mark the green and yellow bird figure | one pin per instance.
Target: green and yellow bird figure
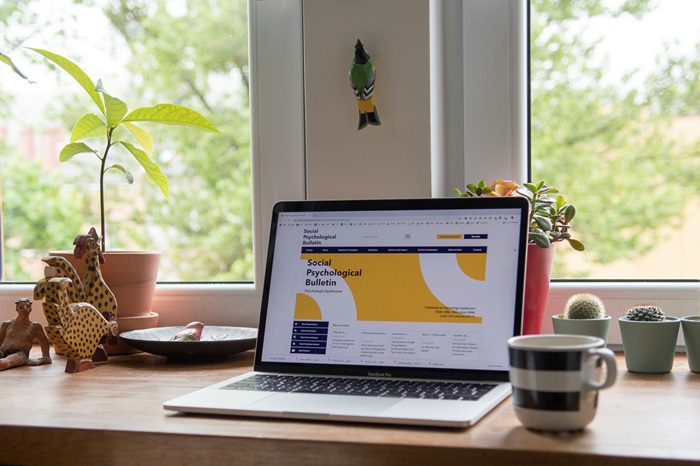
(362, 77)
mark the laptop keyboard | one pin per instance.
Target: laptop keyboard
(363, 387)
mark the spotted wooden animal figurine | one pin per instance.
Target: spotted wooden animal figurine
(75, 329)
(63, 268)
(92, 289)
(97, 292)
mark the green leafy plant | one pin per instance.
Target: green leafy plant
(550, 214)
(645, 313)
(114, 114)
(584, 306)
(8, 61)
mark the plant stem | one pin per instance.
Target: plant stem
(102, 188)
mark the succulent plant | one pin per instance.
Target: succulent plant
(645, 313)
(584, 306)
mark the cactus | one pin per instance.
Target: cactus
(584, 306)
(645, 313)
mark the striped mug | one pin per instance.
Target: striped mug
(556, 379)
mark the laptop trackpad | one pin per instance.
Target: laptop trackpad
(323, 404)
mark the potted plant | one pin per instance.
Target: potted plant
(584, 314)
(649, 339)
(131, 275)
(549, 223)
(691, 335)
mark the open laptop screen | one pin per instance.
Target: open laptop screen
(430, 284)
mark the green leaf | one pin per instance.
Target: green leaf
(576, 244)
(8, 61)
(72, 149)
(115, 110)
(77, 73)
(171, 114)
(544, 223)
(525, 193)
(153, 171)
(531, 187)
(144, 138)
(539, 238)
(127, 173)
(560, 202)
(569, 214)
(88, 125)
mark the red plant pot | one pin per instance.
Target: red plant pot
(537, 272)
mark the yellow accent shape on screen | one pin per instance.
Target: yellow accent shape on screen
(449, 236)
(306, 308)
(473, 265)
(391, 288)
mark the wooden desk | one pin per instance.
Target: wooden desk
(113, 415)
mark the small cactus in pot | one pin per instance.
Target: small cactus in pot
(584, 314)
(645, 313)
(649, 339)
(584, 306)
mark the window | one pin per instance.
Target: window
(480, 112)
(144, 52)
(616, 126)
(481, 135)
(277, 166)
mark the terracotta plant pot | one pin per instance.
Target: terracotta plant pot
(131, 275)
(538, 269)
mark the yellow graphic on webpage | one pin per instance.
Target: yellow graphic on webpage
(391, 286)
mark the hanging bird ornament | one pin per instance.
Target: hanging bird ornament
(362, 77)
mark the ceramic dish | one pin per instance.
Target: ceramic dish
(216, 342)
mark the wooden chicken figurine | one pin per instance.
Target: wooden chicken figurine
(92, 288)
(96, 290)
(75, 329)
(63, 268)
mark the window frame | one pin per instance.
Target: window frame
(461, 153)
(275, 34)
(277, 146)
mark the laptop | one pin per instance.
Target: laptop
(387, 311)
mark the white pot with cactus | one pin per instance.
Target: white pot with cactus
(584, 314)
(649, 339)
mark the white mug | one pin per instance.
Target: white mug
(556, 379)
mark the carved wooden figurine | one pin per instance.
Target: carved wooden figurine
(96, 290)
(92, 288)
(17, 336)
(75, 329)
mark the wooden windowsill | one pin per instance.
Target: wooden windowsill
(113, 415)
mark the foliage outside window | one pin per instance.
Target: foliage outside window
(192, 53)
(624, 143)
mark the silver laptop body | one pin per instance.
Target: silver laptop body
(391, 307)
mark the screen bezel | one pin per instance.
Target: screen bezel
(398, 205)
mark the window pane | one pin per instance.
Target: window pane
(615, 117)
(191, 53)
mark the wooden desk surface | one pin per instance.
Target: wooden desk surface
(113, 415)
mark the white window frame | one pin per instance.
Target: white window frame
(277, 151)
(479, 130)
(487, 136)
